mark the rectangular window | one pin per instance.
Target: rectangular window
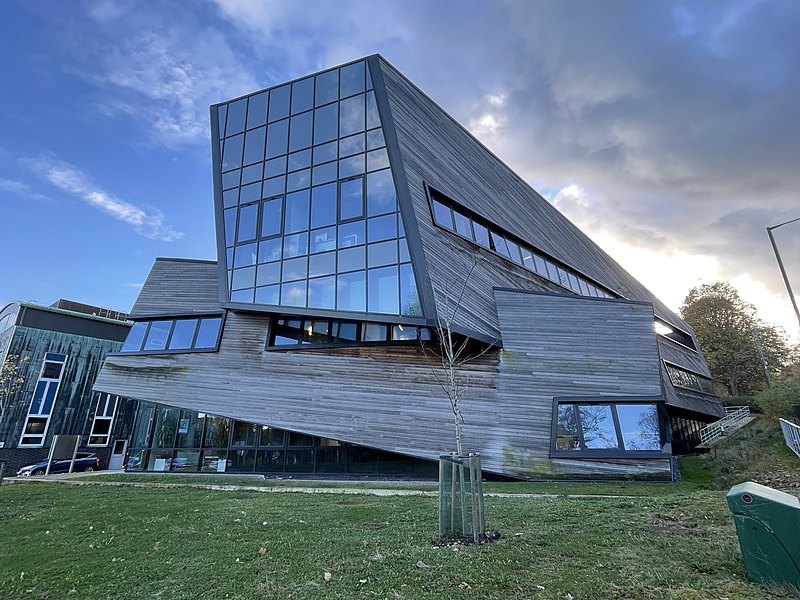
(103, 420)
(44, 396)
(606, 428)
(176, 335)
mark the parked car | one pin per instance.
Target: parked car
(84, 461)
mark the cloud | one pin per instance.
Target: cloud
(72, 180)
(20, 188)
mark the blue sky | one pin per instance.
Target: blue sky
(666, 130)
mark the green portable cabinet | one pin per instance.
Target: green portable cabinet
(768, 525)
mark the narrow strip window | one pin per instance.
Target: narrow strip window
(103, 419)
(44, 396)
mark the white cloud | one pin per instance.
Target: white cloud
(72, 180)
(20, 188)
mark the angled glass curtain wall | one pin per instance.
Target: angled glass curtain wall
(310, 209)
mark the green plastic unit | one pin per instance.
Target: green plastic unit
(768, 525)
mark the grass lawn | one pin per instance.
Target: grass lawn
(64, 541)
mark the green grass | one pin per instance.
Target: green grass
(63, 541)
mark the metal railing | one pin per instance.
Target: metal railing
(733, 416)
(791, 433)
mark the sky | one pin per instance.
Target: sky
(667, 131)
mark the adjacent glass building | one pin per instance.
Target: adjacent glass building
(355, 217)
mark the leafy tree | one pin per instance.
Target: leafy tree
(733, 338)
(11, 381)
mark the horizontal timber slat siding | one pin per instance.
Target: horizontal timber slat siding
(381, 397)
(438, 151)
(568, 346)
(178, 286)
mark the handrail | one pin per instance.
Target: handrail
(733, 416)
(791, 433)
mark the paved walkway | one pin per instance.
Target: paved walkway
(394, 488)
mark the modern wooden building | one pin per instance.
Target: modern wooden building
(58, 350)
(353, 214)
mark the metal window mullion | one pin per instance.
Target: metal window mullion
(618, 428)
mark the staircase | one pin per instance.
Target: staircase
(735, 418)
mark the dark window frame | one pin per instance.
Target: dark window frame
(611, 453)
(173, 318)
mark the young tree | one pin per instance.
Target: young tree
(11, 381)
(741, 350)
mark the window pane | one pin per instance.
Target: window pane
(325, 153)
(567, 437)
(373, 118)
(381, 228)
(377, 159)
(190, 429)
(254, 146)
(404, 333)
(323, 205)
(351, 115)
(409, 298)
(323, 173)
(297, 205)
(251, 192)
(271, 436)
(442, 215)
(325, 123)
(381, 197)
(274, 187)
(230, 179)
(270, 250)
(351, 291)
(268, 295)
(232, 153)
(373, 332)
(236, 114)
(133, 343)
(295, 245)
(322, 292)
(300, 160)
(257, 110)
(352, 79)
(157, 336)
(499, 243)
(322, 264)
(243, 278)
(298, 180)
(302, 95)
(344, 332)
(244, 434)
(541, 265)
(351, 145)
(293, 294)
(323, 240)
(277, 138)
(182, 334)
(300, 132)
(208, 332)
(217, 429)
(513, 250)
(375, 139)
(481, 234)
(598, 426)
(327, 88)
(247, 223)
(349, 167)
(268, 274)
(351, 204)
(563, 278)
(639, 426)
(166, 425)
(296, 268)
(384, 253)
(383, 291)
(351, 259)
(245, 255)
(552, 272)
(275, 166)
(243, 295)
(253, 173)
(279, 103)
(462, 224)
(271, 217)
(352, 234)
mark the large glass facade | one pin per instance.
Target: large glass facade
(310, 210)
(616, 427)
(170, 439)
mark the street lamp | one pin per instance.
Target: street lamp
(780, 264)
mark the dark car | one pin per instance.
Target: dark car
(84, 461)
